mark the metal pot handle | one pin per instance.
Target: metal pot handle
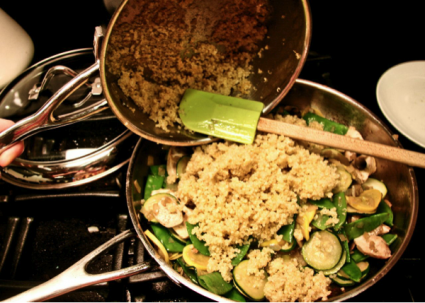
(76, 276)
(44, 118)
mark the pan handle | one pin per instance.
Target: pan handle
(44, 118)
(76, 276)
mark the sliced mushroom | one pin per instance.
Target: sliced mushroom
(181, 229)
(352, 133)
(362, 168)
(373, 245)
(167, 212)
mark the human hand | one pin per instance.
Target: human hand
(13, 152)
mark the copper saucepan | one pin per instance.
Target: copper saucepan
(287, 44)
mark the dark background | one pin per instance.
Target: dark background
(357, 42)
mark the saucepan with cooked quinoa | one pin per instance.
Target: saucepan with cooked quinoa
(154, 50)
(277, 220)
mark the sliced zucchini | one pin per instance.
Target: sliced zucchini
(323, 251)
(245, 283)
(364, 268)
(375, 184)
(149, 205)
(352, 210)
(175, 153)
(342, 282)
(345, 180)
(337, 267)
(368, 201)
(192, 257)
(181, 165)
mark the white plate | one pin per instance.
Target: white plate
(401, 97)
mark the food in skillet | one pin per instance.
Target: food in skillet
(174, 45)
(278, 220)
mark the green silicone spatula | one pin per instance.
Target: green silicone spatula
(238, 120)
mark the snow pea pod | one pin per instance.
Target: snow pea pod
(328, 125)
(164, 236)
(341, 209)
(322, 203)
(189, 271)
(352, 271)
(215, 283)
(243, 250)
(385, 208)
(198, 244)
(153, 183)
(359, 227)
(287, 231)
(235, 295)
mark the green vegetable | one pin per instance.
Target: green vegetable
(198, 244)
(330, 249)
(352, 271)
(164, 236)
(153, 183)
(287, 231)
(337, 267)
(215, 283)
(341, 208)
(158, 170)
(320, 222)
(243, 282)
(389, 238)
(181, 165)
(235, 295)
(328, 125)
(189, 271)
(358, 256)
(359, 227)
(322, 203)
(243, 250)
(343, 282)
(383, 207)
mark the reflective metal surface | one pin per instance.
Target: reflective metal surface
(71, 155)
(400, 179)
(288, 40)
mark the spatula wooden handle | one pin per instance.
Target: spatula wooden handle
(342, 142)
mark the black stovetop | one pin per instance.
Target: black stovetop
(353, 44)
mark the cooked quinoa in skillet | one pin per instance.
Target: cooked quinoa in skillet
(245, 192)
(174, 45)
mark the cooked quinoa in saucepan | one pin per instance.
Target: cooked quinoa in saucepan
(248, 192)
(174, 45)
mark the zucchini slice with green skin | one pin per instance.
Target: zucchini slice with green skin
(342, 282)
(375, 184)
(345, 180)
(181, 165)
(147, 208)
(364, 268)
(323, 251)
(337, 267)
(244, 282)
